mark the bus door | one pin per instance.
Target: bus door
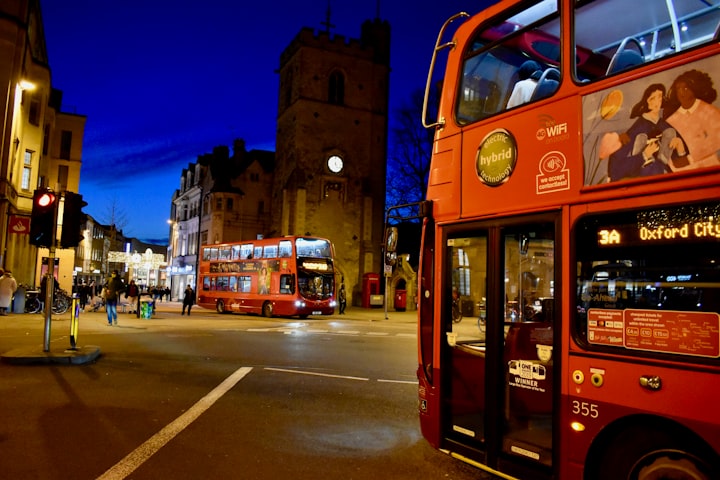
(498, 346)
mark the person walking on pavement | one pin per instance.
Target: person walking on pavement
(342, 297)
(113, 288)
(188, 300)
(8, 286)
(132, 293)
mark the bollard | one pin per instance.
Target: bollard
(74, 317)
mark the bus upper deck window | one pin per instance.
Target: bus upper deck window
(611, 37)
(505, 61)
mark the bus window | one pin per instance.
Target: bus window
(270, 251)
(206, 283)
(287, 283)
(468, 284)
(246, 250)
(224, 253)
(235, 252)
(657, 29)
(505, 63)
(630, 274)
(258, 253)
(285, 248)
(529, 280)
(233, 284)
(244, 284)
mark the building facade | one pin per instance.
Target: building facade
(40, 145)
(223, 197)
(331, 145)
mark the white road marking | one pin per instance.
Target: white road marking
(302, 372)
(138, 456)
(398, 381)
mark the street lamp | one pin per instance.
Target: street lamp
(26, 85)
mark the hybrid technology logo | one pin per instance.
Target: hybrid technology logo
(496, 157)
(550, 130)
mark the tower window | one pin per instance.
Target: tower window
(336, 89)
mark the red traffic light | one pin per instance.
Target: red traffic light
(45, 199)
(43, 221)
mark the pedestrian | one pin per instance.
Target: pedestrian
(132, 293)
(83, 295)
(8, 286)
(188, 299)
(342, 298)
(113, 288)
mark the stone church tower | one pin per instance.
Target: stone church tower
(331, 145)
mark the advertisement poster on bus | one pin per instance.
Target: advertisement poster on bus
(660, 124)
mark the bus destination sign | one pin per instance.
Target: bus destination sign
(625, 235)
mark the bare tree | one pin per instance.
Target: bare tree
(409, 159)
(114, 215)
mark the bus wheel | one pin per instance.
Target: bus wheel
(647, 454)
(220, 306)
(267, 310)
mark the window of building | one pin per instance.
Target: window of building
(62, 178)
(218, 204)
(229, 204)
(27, 170)
(46, 139)
(336, 89)
(34, 114)
(65, 144)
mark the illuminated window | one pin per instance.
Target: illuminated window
(27, 170)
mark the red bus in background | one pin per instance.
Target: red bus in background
(573, 207)
(288, 276)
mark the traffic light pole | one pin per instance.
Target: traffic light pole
(50, 283)
(49, 288)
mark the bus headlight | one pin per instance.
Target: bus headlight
(299, 304)
(333, 303)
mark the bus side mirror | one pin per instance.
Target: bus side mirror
(391, 238)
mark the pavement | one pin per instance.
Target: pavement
(35, 354)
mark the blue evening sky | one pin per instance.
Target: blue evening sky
(163, 81)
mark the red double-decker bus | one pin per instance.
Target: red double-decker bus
(287, 276)
(569, 280)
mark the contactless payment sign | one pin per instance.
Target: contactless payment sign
(496, 157)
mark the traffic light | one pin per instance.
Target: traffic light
(42, 222)
(73, 220)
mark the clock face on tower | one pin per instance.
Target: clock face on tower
(335, 164)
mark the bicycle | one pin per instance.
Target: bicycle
(61, 302)
(33, 304)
